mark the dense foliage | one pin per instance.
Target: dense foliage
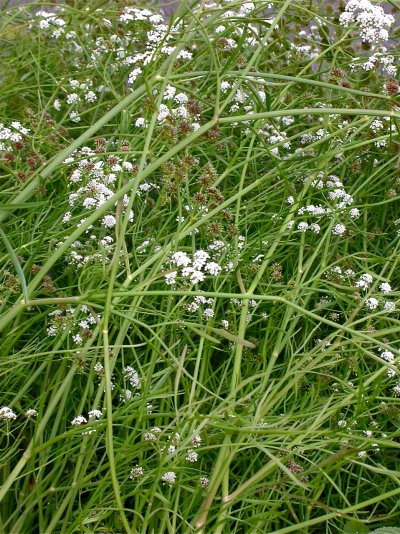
(199, 283)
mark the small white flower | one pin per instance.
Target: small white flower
(67, 217)
(204, 482)
(77, 339)
(74, 116)
(80, 420)
(338, 229)
(7, 414)
(213, 268)
(196, 441)
(315, 228)
(354, 213)
(170, 278)
(95, 414)
(192, 456)
(136, 472)
(302, 226)
(194, 275)
(385, 287)
(169, 92)
(192, 307)
(98, 368)
(372, 303)
(200, 257)
(71, 98)
(181, 259)
(181, 98)
(149, 436)
(169, 478)
(140, 122)
(90, 96)
(225, 86)
(126, 395)
(109, 221)
(176, 437)
(163, 113)
(387, 355)
(389, 306)
(132, 376)
(31, 413)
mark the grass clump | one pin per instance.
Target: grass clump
(199, 279)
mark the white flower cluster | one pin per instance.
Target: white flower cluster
(275, 136)
(6, 414)
(169, 478)
(371, 19)
(124, 50)
(372, 303)
(204, 303)
(77, 323)
(363, 283)
(9, 136)
(192, 457)
(80, 420)
(338, 203)
(389, 357)
(136, 473)
(204, 482)
(245, 102)
(303, 52)
(196, 441)
(132, 377)
(79, 95)
(94, 181)
(153, 435)
(380, 59)
(176, 105)
(49, 21)
(377, 125)
(194, 269)
(157, 39)
(170, 452)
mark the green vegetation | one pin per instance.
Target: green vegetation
(199, 282)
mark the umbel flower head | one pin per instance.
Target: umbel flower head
(373, 22)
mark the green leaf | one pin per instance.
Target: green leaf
(17, 265)
(231, 337)
(386, 530)
(354, 527)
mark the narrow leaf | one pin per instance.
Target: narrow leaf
(17, 265)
